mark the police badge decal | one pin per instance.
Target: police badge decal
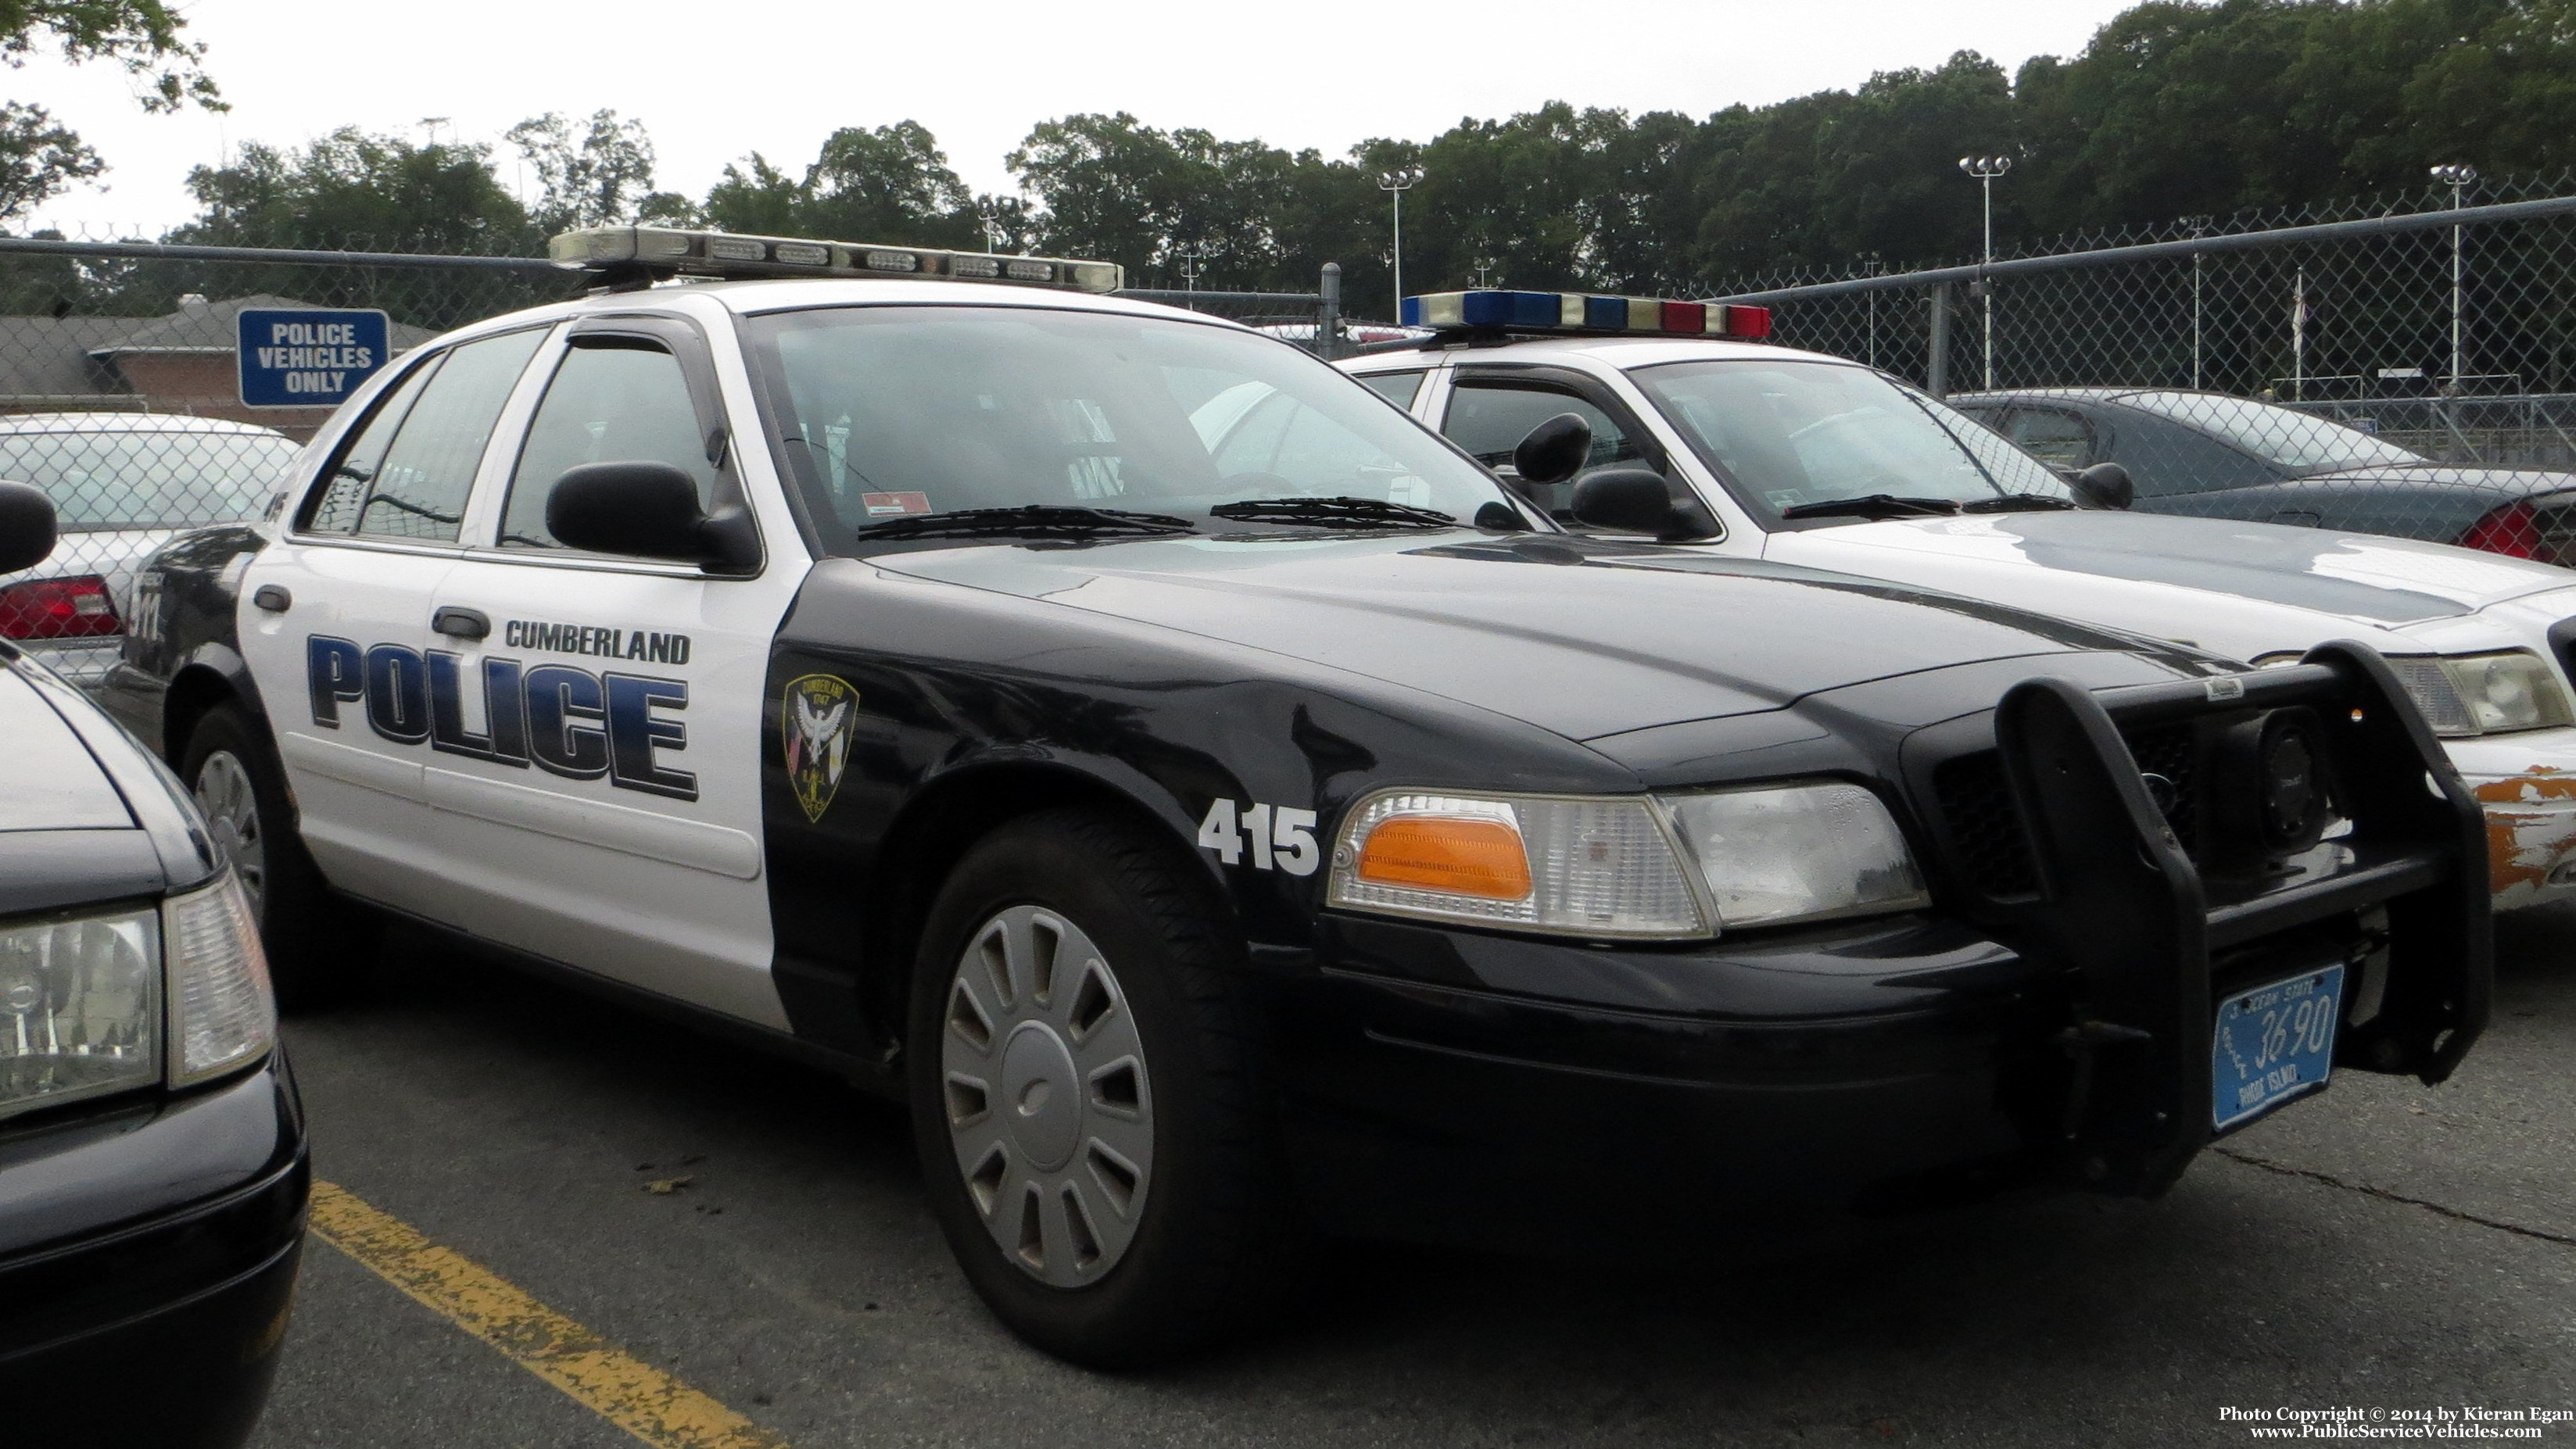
(815, 725)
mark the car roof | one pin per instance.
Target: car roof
(786, 294)
(1619, 352)
(107, 422)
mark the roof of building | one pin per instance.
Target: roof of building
(51, 356)
(203, 326)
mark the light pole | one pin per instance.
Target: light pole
(2458, 178)
(1484, 273)
(1192, 255)
(1395, 183)
(1986, 169)
(2199, 228)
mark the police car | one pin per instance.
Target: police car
(1801, 458)
(1228, 817)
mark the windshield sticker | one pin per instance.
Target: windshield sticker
(894, 505)
(815, 726)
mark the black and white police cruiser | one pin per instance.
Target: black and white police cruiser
(1231, 819)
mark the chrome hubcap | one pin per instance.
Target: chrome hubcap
(1046, 1097)
(232, 812)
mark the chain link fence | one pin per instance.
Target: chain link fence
(120, 395)
(2387, 364)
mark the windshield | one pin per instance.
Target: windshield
(2292, 440)
(1786, 433)
(911, 410)
(105, 481)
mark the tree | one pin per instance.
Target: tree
(601, 176)
(39, 159)
(890, 184)
(352, 190)
(140, 36)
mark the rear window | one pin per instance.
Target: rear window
(105, 481)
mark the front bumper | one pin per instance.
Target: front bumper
(2526, 783)
(147, 1266)
(1458, 1086)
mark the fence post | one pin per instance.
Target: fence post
(1328, 313)
(1936, 370)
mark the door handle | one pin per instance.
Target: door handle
(459, 623)
(272, 597)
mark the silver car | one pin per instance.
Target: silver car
(122, 484)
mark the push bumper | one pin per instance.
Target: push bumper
(147, 1266)
(1461, 1087)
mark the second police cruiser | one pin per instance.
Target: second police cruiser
(1228, 817)
(1802, 458)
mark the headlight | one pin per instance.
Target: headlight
(1625, 867)
(80, 1008)
(2481, 694)
(221, 1011)
(84, 999)
(1799, 853)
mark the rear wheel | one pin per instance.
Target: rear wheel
(319, 944)
(1086, 1098)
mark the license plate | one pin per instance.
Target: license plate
(2272, 1044)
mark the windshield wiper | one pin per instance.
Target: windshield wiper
(1348, 512)
(1875, 505)
(2018, 503)
(1052, 520)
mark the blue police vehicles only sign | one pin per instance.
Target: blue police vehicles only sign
(309, 357)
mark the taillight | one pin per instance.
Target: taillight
(57, 609)
(2512, 530)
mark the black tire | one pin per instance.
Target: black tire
(1216, 1239)
(320, 944)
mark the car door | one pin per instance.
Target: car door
(335, 615)
(596, 741)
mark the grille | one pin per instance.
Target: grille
(1994, 850)
(1994, 853)
(2168, 750)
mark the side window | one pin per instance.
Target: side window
(336, 511)
(1489, 419)
(2061, 440)
(1399, 388)
(2165, 458)
(409, 469)
(613, 400)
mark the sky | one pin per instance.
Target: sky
(1323, 74)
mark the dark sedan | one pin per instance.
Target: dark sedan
(2216, 456)
(153, 1172)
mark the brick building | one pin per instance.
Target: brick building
(180, 363)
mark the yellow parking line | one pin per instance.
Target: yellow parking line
(624, 1390)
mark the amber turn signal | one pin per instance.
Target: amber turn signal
(1462, 856)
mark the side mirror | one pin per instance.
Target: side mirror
(1635, 499)
(2105, 485)
(647, 510)
(1554, 450)
(26, 526)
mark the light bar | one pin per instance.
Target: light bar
(1500, 311)
(667, 251)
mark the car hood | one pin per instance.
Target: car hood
(1584, 638)
(2225, 585)
(49, 780)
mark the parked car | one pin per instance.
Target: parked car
(122, 484)
(153, 1173)
(1213, 842)
(2215, 456)
(1748, 450)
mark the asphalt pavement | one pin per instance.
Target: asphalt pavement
(2386, 1247)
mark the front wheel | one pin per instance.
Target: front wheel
(1086, 1096)
(318, 943)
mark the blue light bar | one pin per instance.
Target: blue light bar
(1495, 310)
